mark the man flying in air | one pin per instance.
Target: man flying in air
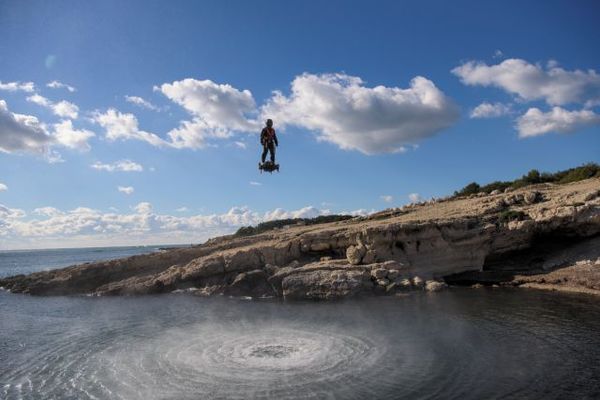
(268, 139)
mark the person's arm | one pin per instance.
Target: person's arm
(262, 137)
(275, 138)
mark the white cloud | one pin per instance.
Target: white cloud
(414, 197)
(218, 110)
(535, 122)
(66, 135)
(138, 101)
(387, 198)
(126, 189)
(28, 87)
(63, 108)
(306, 212)
(553, 84)
(121, 165)
(489, 110)
(48, 211)
(354, 117)
(254, 183)
(60, 85)
(84, 226)
(220, 107)
(120, 126)
(3, 187)
(182, 209)
(241, 145)
(22, 133)
(498, 53)
(143, 208)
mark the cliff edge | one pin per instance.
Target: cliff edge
(544, 236)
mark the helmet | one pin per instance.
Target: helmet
(269, 122)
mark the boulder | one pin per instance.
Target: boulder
(418, 282)
(383, 282)
(435, 286)
(532, 197)
(355, 254)
(326, 284)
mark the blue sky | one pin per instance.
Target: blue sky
(375, 101)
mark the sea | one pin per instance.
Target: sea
(492, 343)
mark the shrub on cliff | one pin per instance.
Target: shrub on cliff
(269, 225)
(471, 188)
(533, 177)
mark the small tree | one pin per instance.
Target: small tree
(532, 177)
(471, 188)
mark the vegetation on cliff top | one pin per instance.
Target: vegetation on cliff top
(269, 225)
(533, 177)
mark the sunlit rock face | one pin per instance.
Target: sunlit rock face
(421, 243)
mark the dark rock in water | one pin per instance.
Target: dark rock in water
(252, 283)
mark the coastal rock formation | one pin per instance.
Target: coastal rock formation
(498, 238)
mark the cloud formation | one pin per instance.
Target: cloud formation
(529, 82)
(124, 126)
(343, 111)
(22, 133)
(27, 87)
(126, 189)
(60, 85)
(63, 108)
(217, 110)
(387, 198)
(415, 197)
(489, 110)
(536, 122)
(66, 135)
(121, 165)
(49, 226)
(140, 102)
(3, 187)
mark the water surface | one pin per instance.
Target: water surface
(461, 344)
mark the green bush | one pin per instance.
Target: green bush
(471, 188)
(533, 177)
(270, 225)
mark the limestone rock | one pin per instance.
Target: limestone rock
(370, 257)
(532, 197)
(435, 286)
(379, 273)
(324, 284)
(418, 282)
(355, 254)
(383, 282)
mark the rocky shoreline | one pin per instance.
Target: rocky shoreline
(544, 236)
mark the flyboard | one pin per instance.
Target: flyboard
(268, 166)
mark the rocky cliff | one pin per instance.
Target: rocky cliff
(513, 238)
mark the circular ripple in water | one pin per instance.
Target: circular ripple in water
(230, 363)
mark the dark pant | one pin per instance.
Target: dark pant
(268, 147)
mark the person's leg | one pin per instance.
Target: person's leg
(272, 149)
(264, 153)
